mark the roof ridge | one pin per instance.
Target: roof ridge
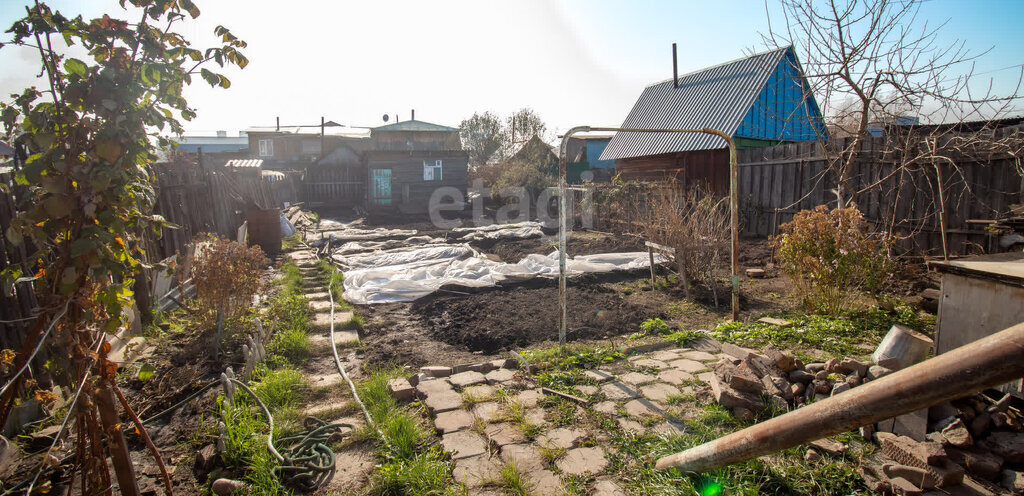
(723, 64)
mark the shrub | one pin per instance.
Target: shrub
(691, 220)
(226, 275)
(832, 254)
(655, 326)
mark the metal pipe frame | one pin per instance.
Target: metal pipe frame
(562, 212)
(985, 363)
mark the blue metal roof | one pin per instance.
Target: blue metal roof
(722, 97)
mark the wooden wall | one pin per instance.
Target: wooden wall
(409, 192)
(710, 167)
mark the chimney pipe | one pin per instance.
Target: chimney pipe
(413, 115)
(278, 123)
(675, 68)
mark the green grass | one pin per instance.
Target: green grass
(289, 308)
(838, 336)
(279, 388)
(335, 280)
(784, 472)
(511, 480)
(408, 465)
(291, 242)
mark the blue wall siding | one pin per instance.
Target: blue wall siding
(594, 150)
(783, 111)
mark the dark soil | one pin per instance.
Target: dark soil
(514, 317)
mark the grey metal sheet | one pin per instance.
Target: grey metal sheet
(717, 97)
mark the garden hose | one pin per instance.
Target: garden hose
(307, 462)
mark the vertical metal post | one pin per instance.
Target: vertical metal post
(734, 221)
(562, 228)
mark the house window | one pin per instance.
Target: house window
(266, 148)
(431, 170)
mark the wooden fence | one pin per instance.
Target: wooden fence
(195, 199)
(777, 182)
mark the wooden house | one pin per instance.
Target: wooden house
(407, 161)
(761, 100)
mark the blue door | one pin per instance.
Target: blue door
(381, 192)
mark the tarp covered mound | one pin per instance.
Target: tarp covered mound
(519, 230)
(409, 274)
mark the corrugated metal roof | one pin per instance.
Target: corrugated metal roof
(416, 126)
(717, 97)
(340, 131)
(244, 163)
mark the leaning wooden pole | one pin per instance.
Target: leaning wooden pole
(990, 361)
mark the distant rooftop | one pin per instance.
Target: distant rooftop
(414, 125)
(335, 130)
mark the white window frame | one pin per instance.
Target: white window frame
(266, 147)
(433, 171)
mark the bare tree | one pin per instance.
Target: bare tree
(877, 69)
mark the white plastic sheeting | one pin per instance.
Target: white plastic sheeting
(363, 246)
(520, 230)
(419, 272)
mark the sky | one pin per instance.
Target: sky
(575, 62)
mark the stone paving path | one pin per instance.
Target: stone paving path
(492, 415)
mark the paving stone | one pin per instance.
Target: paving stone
(561, 438)
(581, 461)
(464, 444)
(528, 398)
(666, 355)
(400, 388)
(735, 351)
(630, 426)
(606, 407)
(599, 375)
(323, 320)
(468, 378)
(454, 420)
(642, 408)
(636, 378)
(649, 362)
(436, 371)
(480, 392)
(499, 376)
(659, 392)
(427, 387)
(526, 457)
(588, 390)
(536, 416)
(674, 376)
(320, 306)
(618, 391)
(705, 377)
(504, 433)
(700, 356)
(488, 411)
(474, 471)
(606, 488)
(669, 428)
(687, 365)
(318, 296)
(443, 401)
(546, 483)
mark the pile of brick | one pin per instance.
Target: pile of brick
(969, 446)
(748, 382)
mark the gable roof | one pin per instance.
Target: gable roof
(722, 97)
(414, 125)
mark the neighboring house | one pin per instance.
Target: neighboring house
(535, 152)
(584, 152)
(214, 150)
(295, 147)
(761, 100)
(408, 161)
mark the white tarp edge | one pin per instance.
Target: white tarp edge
(413, 280)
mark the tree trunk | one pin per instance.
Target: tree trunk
(116, 445)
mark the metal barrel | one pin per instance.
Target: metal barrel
(985, 363)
